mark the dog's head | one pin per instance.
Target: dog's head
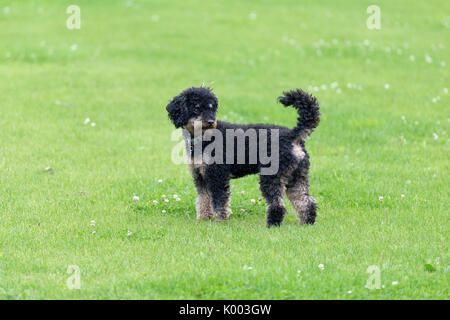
(194, 104)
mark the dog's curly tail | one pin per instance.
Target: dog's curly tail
(308, 111)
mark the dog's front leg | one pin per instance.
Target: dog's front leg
(203, 203)
(220, 202)
(219, 188)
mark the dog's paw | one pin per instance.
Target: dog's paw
(203, 217)
(270, 224)
(309, 212)
(222, 216)
(204, 214)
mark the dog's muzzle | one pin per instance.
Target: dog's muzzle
(209, 124)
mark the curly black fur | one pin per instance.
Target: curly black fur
(183, 107)
(212, 180)
(307, 107)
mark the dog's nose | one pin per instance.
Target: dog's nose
(210, 122)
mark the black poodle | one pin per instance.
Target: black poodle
(240, 150)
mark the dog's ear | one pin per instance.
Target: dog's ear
(177, 110)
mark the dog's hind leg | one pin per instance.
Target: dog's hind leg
(272, 190)
(297, 190)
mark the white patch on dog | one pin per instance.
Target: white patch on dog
(297, 151)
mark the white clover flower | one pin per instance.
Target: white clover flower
(252, 201)
(94, 232)
(321, 266)
(428, 59)
(155, 202)
(334, 85)
(252, 16)
(349, 291)
(164, 211)
(435, 136)
(394, 283)
(166, 200)
(93, 124)
(445, 91)
(92, 223)
(177, 199)
(381, 199)
(129, 233)
(247, 267)
(434, 100)
(163, 196)
(442, 63)
(175, 196)
(412, 58)
(338, 90)
(74, 47)
(386, 86)
(402, 196)
(242, 210)
(160, 180)
(87, 120)
(135, 198)
(242, 193)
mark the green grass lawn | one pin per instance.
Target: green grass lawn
(384, 132)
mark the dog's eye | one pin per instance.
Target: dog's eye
(197, 106)
(210, 106)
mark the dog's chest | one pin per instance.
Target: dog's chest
(197, 169)
(197, 165)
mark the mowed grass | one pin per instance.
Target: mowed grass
(381, 134)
